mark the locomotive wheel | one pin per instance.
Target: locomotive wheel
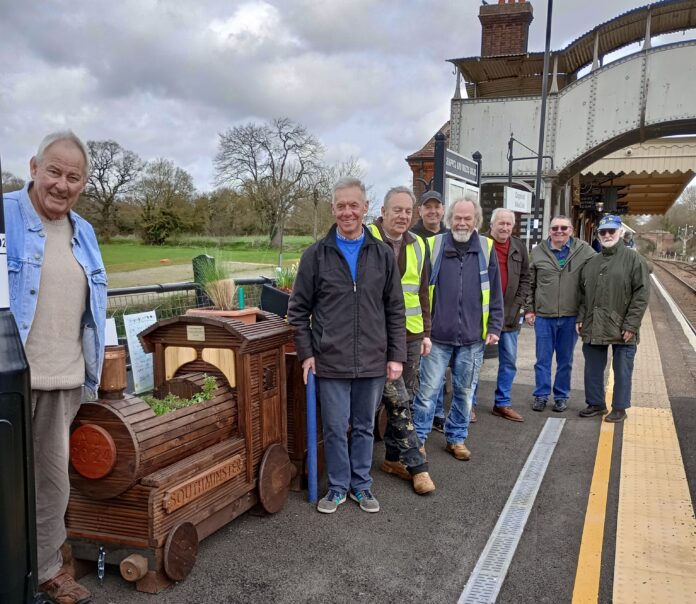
(275, 474)
(180, 551)
(381, 419)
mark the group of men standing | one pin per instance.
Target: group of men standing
(381, 312)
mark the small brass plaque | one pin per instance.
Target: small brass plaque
(196, 333)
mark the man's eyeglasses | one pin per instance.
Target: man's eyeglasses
(607, 231)
(562, 227)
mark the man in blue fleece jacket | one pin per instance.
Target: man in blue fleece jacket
(467, 314)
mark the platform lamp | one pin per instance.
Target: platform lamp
(18, 574)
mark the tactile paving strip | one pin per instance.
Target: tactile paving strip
(656, 530)
(649, 389)
(492, 566)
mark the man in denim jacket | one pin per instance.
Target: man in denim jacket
(58, 299)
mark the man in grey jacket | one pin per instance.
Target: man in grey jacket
(552, 306)
(347, 308)
(614, 292)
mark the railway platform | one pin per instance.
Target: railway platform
(555, 509)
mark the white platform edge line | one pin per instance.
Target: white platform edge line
(548, 438)
(677, 313)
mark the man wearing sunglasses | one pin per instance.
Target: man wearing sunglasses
(552, 307)
(614, 291)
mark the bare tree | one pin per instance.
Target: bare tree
(112, 175)
(165, 195)
(10, 182)
(274, 165)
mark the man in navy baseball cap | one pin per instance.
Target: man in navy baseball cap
(609, 222)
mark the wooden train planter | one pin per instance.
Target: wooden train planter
(147, 488)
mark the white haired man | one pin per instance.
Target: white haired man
(467, 314)
(347, 308)
(614, 294)
(58, 299)
(515, 279)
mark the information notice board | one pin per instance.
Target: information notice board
(141, 362)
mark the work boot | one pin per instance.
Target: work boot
(592, 410)
(459, 451)
(616, 415)
(396, 468)
(65, 590)
(422, 483)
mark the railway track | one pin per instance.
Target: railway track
(679, 279)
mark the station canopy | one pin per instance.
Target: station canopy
(521, 74)
(649, 177)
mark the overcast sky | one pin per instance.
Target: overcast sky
(163, 78)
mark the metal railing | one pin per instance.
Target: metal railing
(173, 299)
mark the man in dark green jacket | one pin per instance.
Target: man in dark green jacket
(614, 292)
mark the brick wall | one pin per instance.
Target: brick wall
(505, 27)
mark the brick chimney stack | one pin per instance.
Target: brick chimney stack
(505, 27)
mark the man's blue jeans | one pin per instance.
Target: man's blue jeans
(465, 374)
(349, 402)
(507, 369)
(554, 335)
(623, 356)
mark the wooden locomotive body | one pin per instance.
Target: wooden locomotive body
(147, 488)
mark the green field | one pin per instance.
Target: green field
(125, 255)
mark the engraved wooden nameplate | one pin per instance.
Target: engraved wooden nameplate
(195, 487)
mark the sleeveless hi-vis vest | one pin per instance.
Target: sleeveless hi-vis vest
(410, 282)
(484, 256)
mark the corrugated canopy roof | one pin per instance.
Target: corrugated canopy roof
(665, 17)
(650, 176)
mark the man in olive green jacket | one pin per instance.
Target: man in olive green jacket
(614, 292)
(552, 306)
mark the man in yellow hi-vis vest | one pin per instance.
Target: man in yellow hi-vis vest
(403, 456)
(467, 314)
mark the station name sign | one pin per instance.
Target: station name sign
(518, 201)
(460, 167)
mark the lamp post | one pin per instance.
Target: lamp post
(542, 115)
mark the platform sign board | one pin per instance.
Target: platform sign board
(518, 201)
(460, 167)
(456, 189)
(141, 362)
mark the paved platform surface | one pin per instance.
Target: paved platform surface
(423, 549)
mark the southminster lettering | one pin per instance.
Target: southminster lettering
(204, 482)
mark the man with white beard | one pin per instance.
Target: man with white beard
(467, 314)
(614, 293)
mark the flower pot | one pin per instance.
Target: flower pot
(246, 315)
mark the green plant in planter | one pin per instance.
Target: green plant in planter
(172, 402)
(218, 284)
(285, 276)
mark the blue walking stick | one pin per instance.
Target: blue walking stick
(311, 437)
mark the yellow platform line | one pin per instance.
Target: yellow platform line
(586, 588)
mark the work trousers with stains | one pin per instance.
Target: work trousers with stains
(400, 438)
